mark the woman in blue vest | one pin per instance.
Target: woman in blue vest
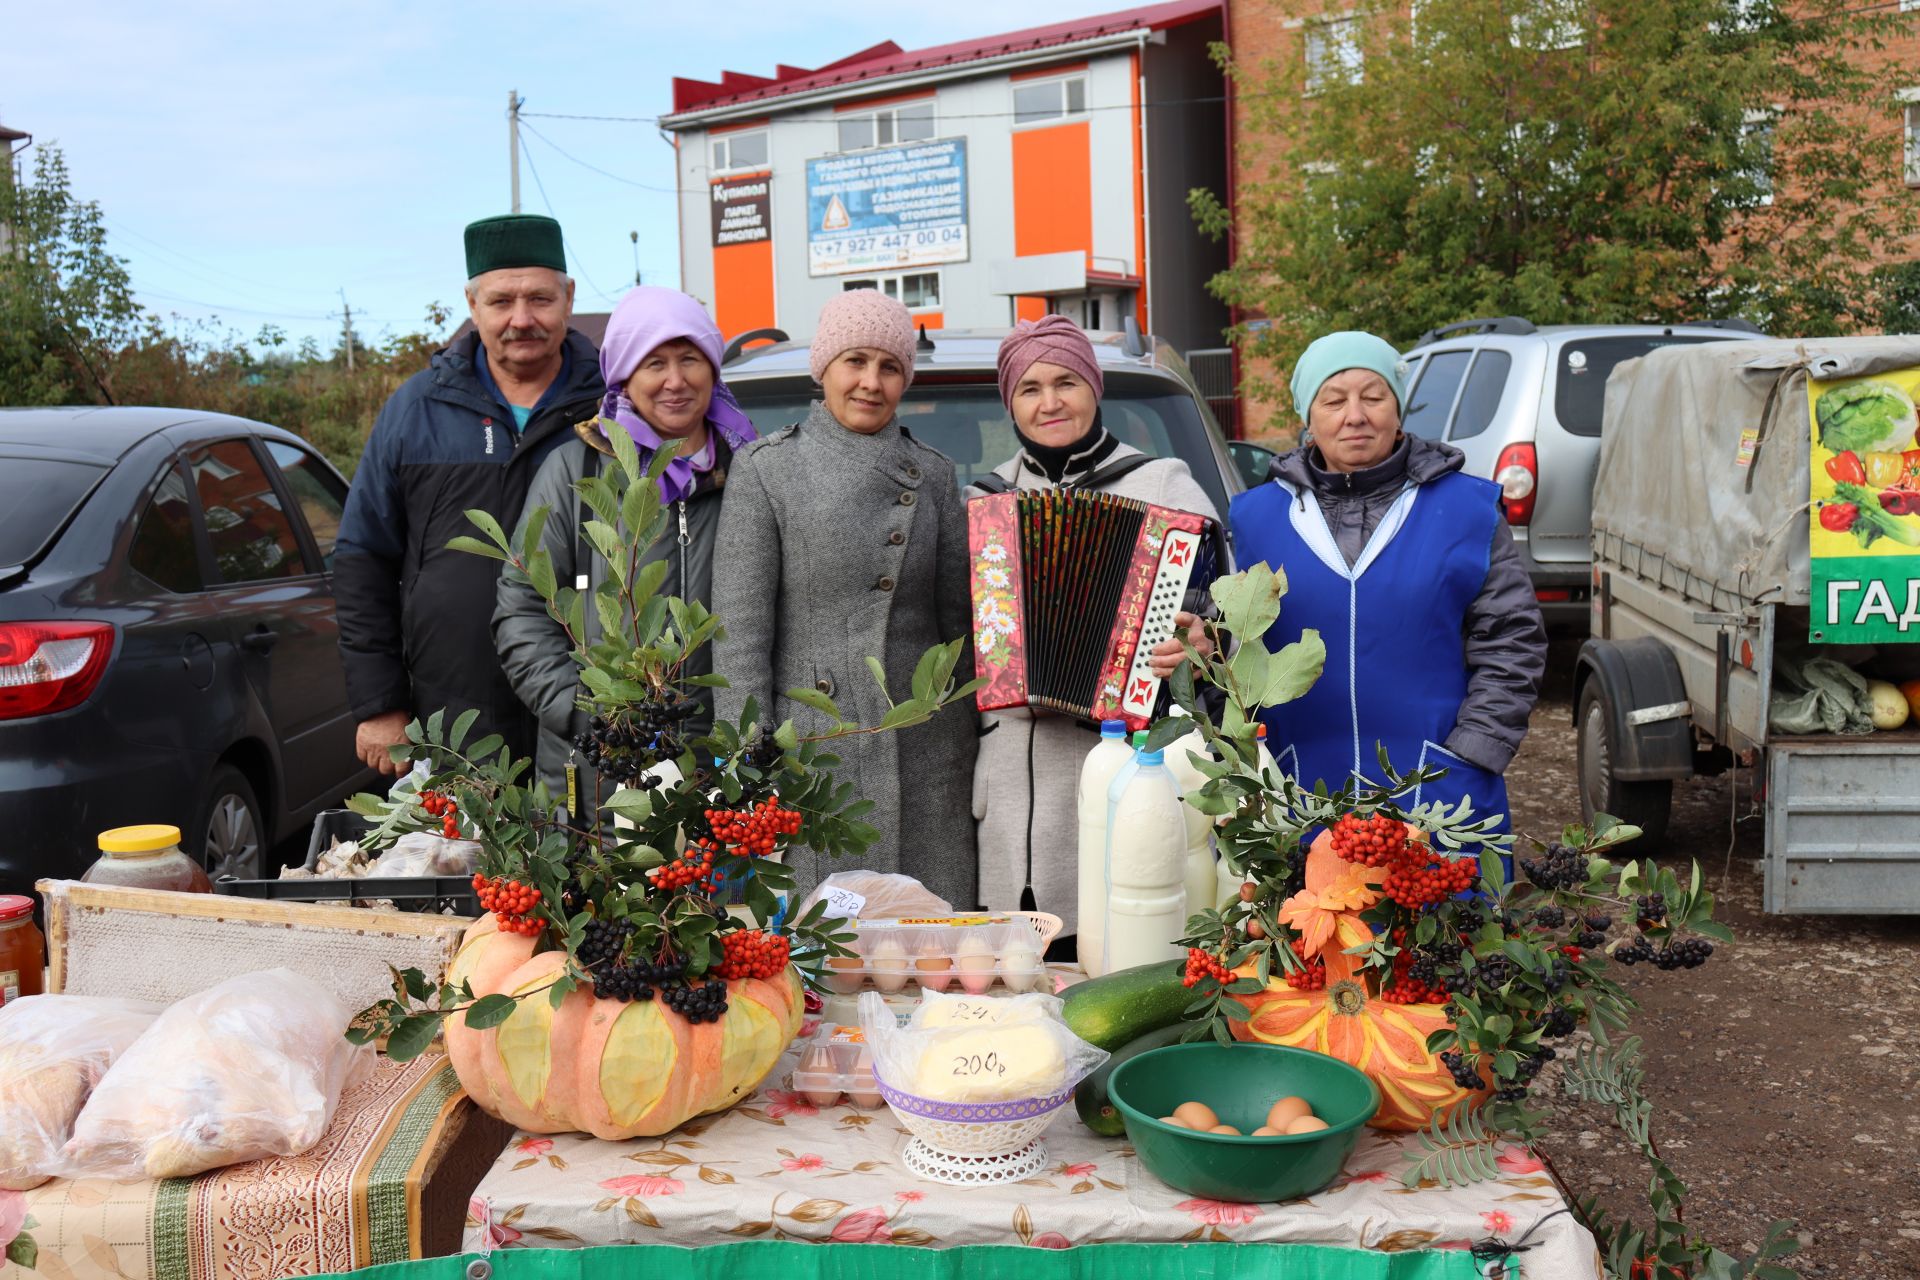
(1405, 566)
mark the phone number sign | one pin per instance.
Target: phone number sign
(883, 209)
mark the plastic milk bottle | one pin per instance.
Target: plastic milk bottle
(1200, 878)
(1145, 866)
(1096, 774)
(1229, 882)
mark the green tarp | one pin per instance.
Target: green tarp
(786, 1260)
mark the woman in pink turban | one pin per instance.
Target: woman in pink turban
(1029, 763)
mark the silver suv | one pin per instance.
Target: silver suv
(1524, 404)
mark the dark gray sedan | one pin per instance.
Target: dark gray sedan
(168, 651)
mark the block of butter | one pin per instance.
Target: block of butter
(993, 1062)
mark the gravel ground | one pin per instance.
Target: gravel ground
(1783, 1072)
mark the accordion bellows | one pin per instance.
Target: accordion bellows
(1071, 592)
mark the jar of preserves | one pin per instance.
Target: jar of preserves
(146, 857)
(23, 950)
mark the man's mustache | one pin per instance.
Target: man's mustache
(532, 334)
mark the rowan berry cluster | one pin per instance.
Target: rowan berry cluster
(511, 902)
(1415, 876)
(754, 832)
(1378, 841)
(1202, 965)
(751, 953)
(694, 866)
(443, 808)
(1311, 975)
(1408, 984)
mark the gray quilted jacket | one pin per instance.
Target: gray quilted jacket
(1506, 642)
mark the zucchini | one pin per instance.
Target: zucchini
(1090, 1099)
(1124, 1005)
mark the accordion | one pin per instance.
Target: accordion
(1071, 592)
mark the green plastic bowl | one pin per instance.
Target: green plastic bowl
(1241, 1082)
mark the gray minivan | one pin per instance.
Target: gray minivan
(1523, 402)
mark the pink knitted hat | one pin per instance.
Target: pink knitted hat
(1054, 339)
(862, 318)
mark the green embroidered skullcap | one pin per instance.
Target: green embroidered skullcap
(514, 240)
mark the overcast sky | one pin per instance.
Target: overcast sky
(252, 160)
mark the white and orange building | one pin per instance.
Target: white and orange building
(1040, 171)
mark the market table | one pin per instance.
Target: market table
(776, 1168)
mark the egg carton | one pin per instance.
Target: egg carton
(965, 953)
(837, 1066)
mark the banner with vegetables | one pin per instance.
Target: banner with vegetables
(1865, 530)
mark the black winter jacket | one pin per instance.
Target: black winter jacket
(414, 617)
(1506, 642)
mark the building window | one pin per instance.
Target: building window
(908, 122)
(740, 151)
(1039, 100)
(915, 290)
(1912, 113)
(1756, 144)
(1333, 53)
(1546, 25)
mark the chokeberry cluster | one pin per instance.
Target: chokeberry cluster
(1465, 1074)
(704, 1003)
(1493, 973)
(605, 943)
(626, 745)
(1650, 910)
(1687, 953)
(1634, 952)
(636, 981)
(1559, 867)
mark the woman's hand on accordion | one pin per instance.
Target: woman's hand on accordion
(1169, 653)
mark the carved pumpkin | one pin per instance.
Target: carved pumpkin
(608, 1067)
(1346, 1020)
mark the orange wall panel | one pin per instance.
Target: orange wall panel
(929, 320)
(743, 287)
(1053, 190)
(1034, 309)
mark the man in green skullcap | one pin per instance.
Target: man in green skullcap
(469, 431)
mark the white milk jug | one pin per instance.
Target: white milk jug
(1106, 759)
(1145, 866)
(1229, 883)
(1201, 880)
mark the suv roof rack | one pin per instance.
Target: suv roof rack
(1735, 323)
(1494, 324)
(739, 344)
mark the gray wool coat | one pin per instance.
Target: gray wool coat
(1027, 776)
(839, 547)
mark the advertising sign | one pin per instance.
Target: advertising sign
(1865, 524)
(742, 209)
(894, 207)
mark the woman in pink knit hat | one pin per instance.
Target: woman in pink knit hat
(1029, 760)
(845, 539)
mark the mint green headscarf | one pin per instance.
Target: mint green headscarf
(1349, 349)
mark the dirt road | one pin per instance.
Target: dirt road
(1784, 1072)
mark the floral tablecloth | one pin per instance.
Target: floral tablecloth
(778, 1168)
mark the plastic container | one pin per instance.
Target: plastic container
(1106, 759)
(1229, 883)
(1145, 868)
(146, 857)
(1241, 1082)
(1200, 878)
(837, 1066)
(23, 950)
(974, 954)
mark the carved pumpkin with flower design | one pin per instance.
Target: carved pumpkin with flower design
(1347, 1019)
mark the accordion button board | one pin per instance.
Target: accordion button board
(1071, 592)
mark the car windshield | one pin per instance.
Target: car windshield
(1580, 390)
(38, 494)
(967, 422)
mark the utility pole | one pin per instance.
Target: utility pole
(634, 237)
(514, 103)
(347, 328)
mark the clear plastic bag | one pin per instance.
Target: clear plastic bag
(251, 1068)
(1029, 1053)
(887, 895)
(937, 1010)
(420, 853)
(53, 1050)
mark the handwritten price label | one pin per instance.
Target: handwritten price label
(844, 903)
(972, 1065)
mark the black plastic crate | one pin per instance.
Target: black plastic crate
(332, 824)
(408, 893)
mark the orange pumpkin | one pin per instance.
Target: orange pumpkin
(1346, 1020)
(608, 1067)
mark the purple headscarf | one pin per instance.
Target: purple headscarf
(645, 318)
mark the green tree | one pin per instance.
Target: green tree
(66, 305)
(1594, 161)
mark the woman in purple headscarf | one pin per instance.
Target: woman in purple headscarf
(661, 363)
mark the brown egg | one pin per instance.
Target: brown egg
(1268, 1131)
(1307, 1124)
(1196, 1115)
(1175, 1122)
(1286, 1111)
(851, 973)
(1226, 1128)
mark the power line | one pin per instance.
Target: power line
(228, 308)
(672, 191)
(578, 261)
(273, 289)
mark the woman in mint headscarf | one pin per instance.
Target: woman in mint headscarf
(1405, 566)
(661, 362)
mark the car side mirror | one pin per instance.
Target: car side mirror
(1251, 460)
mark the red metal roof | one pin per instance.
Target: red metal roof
(888, 58)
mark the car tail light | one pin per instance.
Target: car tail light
(1518, 475)
(1553, 595)
(50, 666)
